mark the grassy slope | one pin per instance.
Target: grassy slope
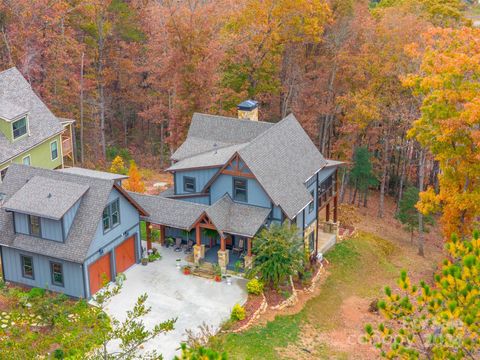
(359, 267)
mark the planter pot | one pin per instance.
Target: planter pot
(218, 278)
(186, 271)
(229, 280)
(178, 265)
(144, 261)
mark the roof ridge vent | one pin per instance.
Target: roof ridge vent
(49, 195)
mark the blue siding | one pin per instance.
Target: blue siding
(277, 213)
(325, 173)
(69, 217)
(202, 177)
(299, 221)
(72, 272)
(197, 199)
(310, 216)
(224, 184)
(21, 223)
(129, 218)
(51, 229)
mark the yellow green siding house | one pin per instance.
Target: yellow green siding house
(30, 133)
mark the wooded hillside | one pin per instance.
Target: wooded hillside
(398, 79)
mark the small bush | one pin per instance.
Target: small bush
(255, 287)
(238, 313)
(58, 354)
(35, 293)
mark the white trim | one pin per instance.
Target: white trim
(58, 152)
(29, 160)
(27, 133)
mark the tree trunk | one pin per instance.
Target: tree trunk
(421, 176)
(101, 85)
(344, 182)
(383, 183)
(82, 151)
(405, 167)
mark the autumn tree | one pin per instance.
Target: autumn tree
(118, 166)
(439, 321)
(134, 182)
(448, 126)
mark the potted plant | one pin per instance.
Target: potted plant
(169, 241)
(144, 261)
(187, 270)
(217, 271)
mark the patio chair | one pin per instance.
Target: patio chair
(178, 244)
(240, 247)
(189, 247)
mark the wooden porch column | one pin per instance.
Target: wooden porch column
(335, 208)
(148, 230)
(198, 235)
(327, 212)
(162, 235)
(223, 243)
(249, 246)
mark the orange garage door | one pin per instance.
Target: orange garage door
(97, 271)
(125, 255)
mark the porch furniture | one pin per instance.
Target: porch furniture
(178, 244)
(241, 246)
(189, 247)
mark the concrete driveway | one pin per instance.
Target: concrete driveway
(171, 294)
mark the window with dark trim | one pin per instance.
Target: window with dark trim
(111, 216)
(240, 190)
(34, 225)
(27, 267)
(311, 206)
(56, 270)
(19, 127)
(189, 184)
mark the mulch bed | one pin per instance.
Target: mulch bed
(251, 306)
(276, 296)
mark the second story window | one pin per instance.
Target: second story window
(34, 224)
(188, 184)
(111, 216)
(240, 190)
(19, 128)
(54, 149)
(311, 206)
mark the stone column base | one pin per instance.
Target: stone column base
(223, 260)
(198, 253)
(248, 262)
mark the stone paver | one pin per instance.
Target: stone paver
(171, 294)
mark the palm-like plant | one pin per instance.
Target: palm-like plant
(278, 254)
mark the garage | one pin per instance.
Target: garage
(97, 271)
(125, 255)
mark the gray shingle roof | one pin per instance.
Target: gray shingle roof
(46, 197)
(282, 159)
(235, 218)
(206, 131)
(93, 173)
(174, 213)
(10, 111)
(15, 90)
(84, 226)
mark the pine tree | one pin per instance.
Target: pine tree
(134, 182)
(408, 213)
(361, 174)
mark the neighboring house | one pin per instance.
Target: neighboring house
(66, 230)
(30, 133)
(235, 176)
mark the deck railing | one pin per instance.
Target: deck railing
(67, 146)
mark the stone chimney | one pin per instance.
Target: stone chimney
(248, 110)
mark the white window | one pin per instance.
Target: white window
(26, 160)
(54, 149)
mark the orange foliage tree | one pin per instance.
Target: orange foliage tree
(134, 181)
(449, 125)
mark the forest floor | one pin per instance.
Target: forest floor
(330, 324)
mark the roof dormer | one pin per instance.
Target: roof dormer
(13, 120)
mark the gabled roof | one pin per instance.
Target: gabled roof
(211, 132)
(93, 173)
(87, 219)
(238, 219)
(45, 197)
(16, 91)
(10, 111)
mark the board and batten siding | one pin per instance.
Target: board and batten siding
(72, 272)
(21, 223)
(201, 176)
(255, 194)
(311, 216)
(69, 217)
(51, 229)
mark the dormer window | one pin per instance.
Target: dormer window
(19, 128)
(34, 223)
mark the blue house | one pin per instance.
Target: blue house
(236, 176)
(66, 230)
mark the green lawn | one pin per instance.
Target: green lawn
(354, 263)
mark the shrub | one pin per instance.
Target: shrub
(35, 293)
(255, 287)
(238, 313)
(58, 354)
